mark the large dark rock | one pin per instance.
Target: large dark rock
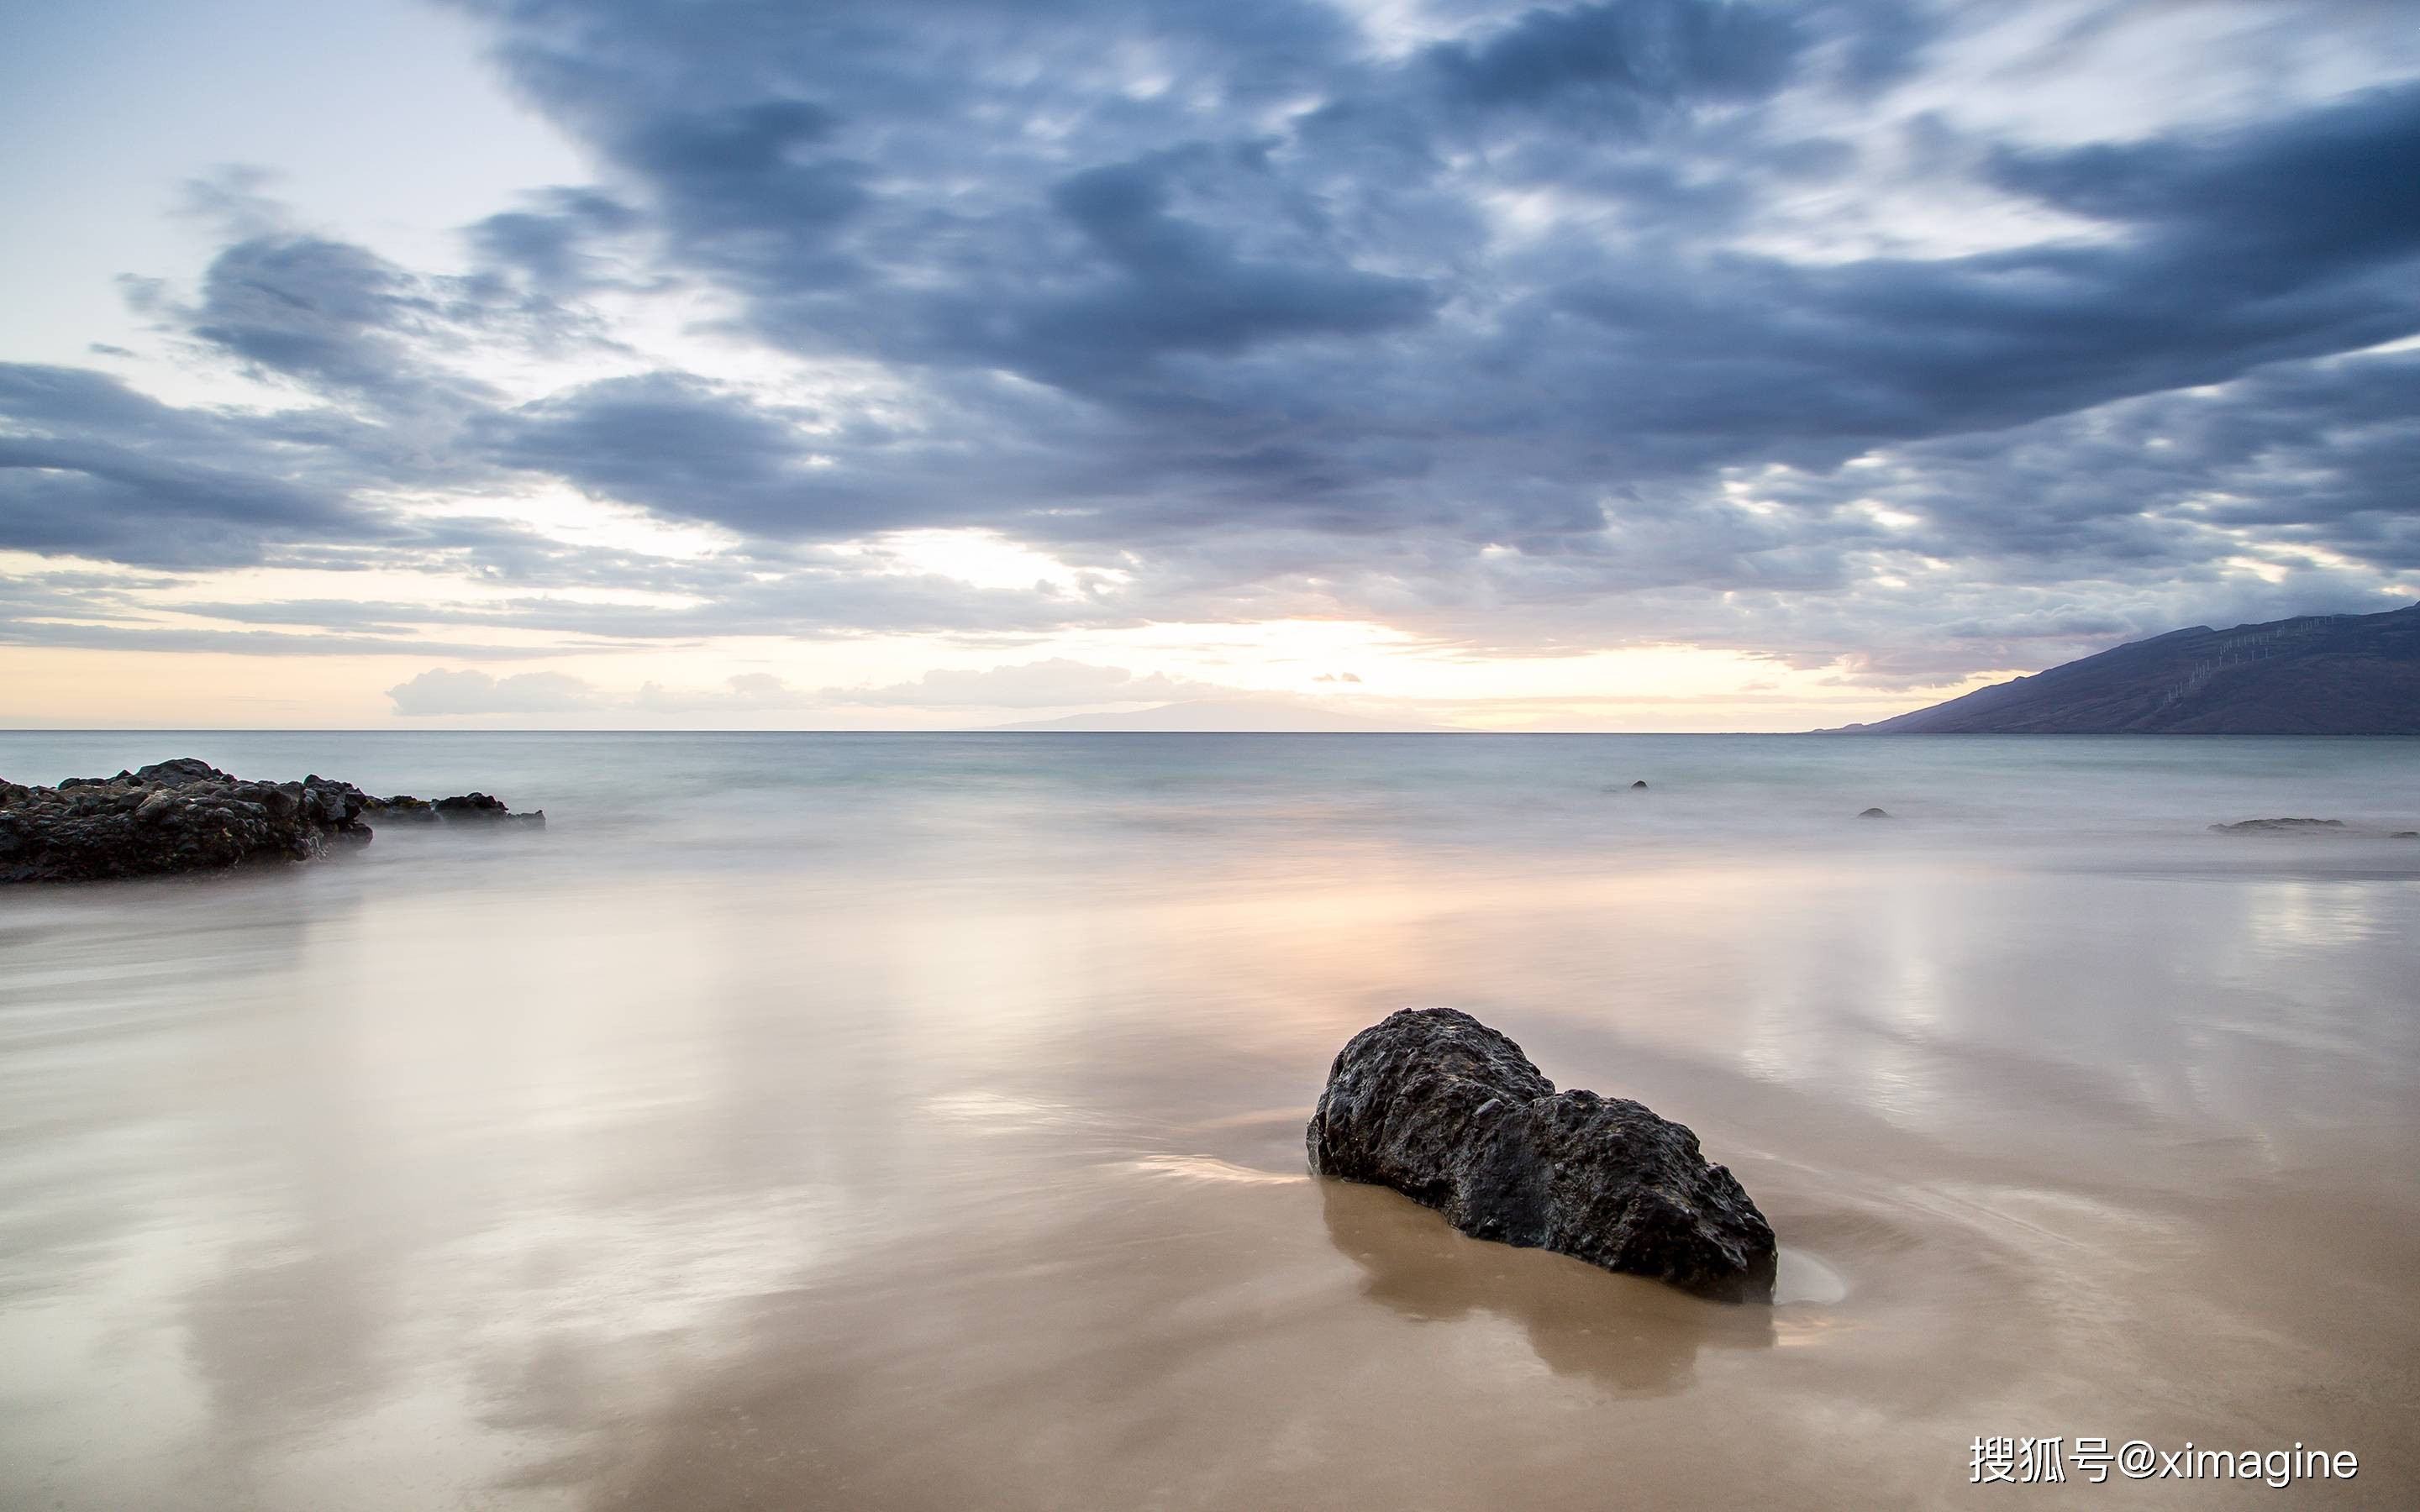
(1451, 1113)
(186, 815)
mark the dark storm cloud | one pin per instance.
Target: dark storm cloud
(91, 468)
(1508, 332)
(747, 195)
(1609, 64)
(2317, 455)
(2329, 190)
(1276, 331)
(664, 441)
(1179, 285)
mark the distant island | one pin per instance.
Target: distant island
(2320, 674)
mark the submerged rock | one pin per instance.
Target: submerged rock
(186, 815)
(1448, 1112)
(2280, 826)
(1875, 813)
(1640, 783)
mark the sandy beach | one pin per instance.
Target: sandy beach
(647, 1169)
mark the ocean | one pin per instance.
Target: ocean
(868, 1121)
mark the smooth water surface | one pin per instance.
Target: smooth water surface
(915, 1121)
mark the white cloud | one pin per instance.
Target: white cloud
(1058, 683)
(747, 691)
(438, 691)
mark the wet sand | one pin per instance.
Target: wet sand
(477, 1179)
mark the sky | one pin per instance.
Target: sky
(1657, 364)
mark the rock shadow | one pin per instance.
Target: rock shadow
(1627, 1334)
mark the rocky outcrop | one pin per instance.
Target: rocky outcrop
(1451, 1113)
(1874, 814)
(186, 815)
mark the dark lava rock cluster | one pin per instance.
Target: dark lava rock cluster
(186, 815)
(1451, 1113)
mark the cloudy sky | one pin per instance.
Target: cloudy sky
(1651, 364)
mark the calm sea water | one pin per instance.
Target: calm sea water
(823, 1120)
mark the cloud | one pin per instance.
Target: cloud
(1055, 684)
(1837, 332)
(89, 467)
(306, 308)
(1253, 329)
(741, 693)
(1612, 64)
(665, 441)
(555, 243)
(439, 692)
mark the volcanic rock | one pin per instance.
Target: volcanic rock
(186, 815)
(1448, 1112)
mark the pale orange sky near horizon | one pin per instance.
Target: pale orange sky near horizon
(1648, 690)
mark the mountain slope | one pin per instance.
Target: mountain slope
(2322, 674)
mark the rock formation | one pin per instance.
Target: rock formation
(186, 815)
(1451, 1113)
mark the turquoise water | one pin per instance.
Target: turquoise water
(914, 1121)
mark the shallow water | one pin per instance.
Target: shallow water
(916, 1122)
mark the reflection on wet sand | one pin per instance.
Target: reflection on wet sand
(603, 1179)
(1627, 1334)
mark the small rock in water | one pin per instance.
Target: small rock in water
(2278, 827)
(1448, 1112)
(2405, 834)
(1874, 814)
(1640, 783)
